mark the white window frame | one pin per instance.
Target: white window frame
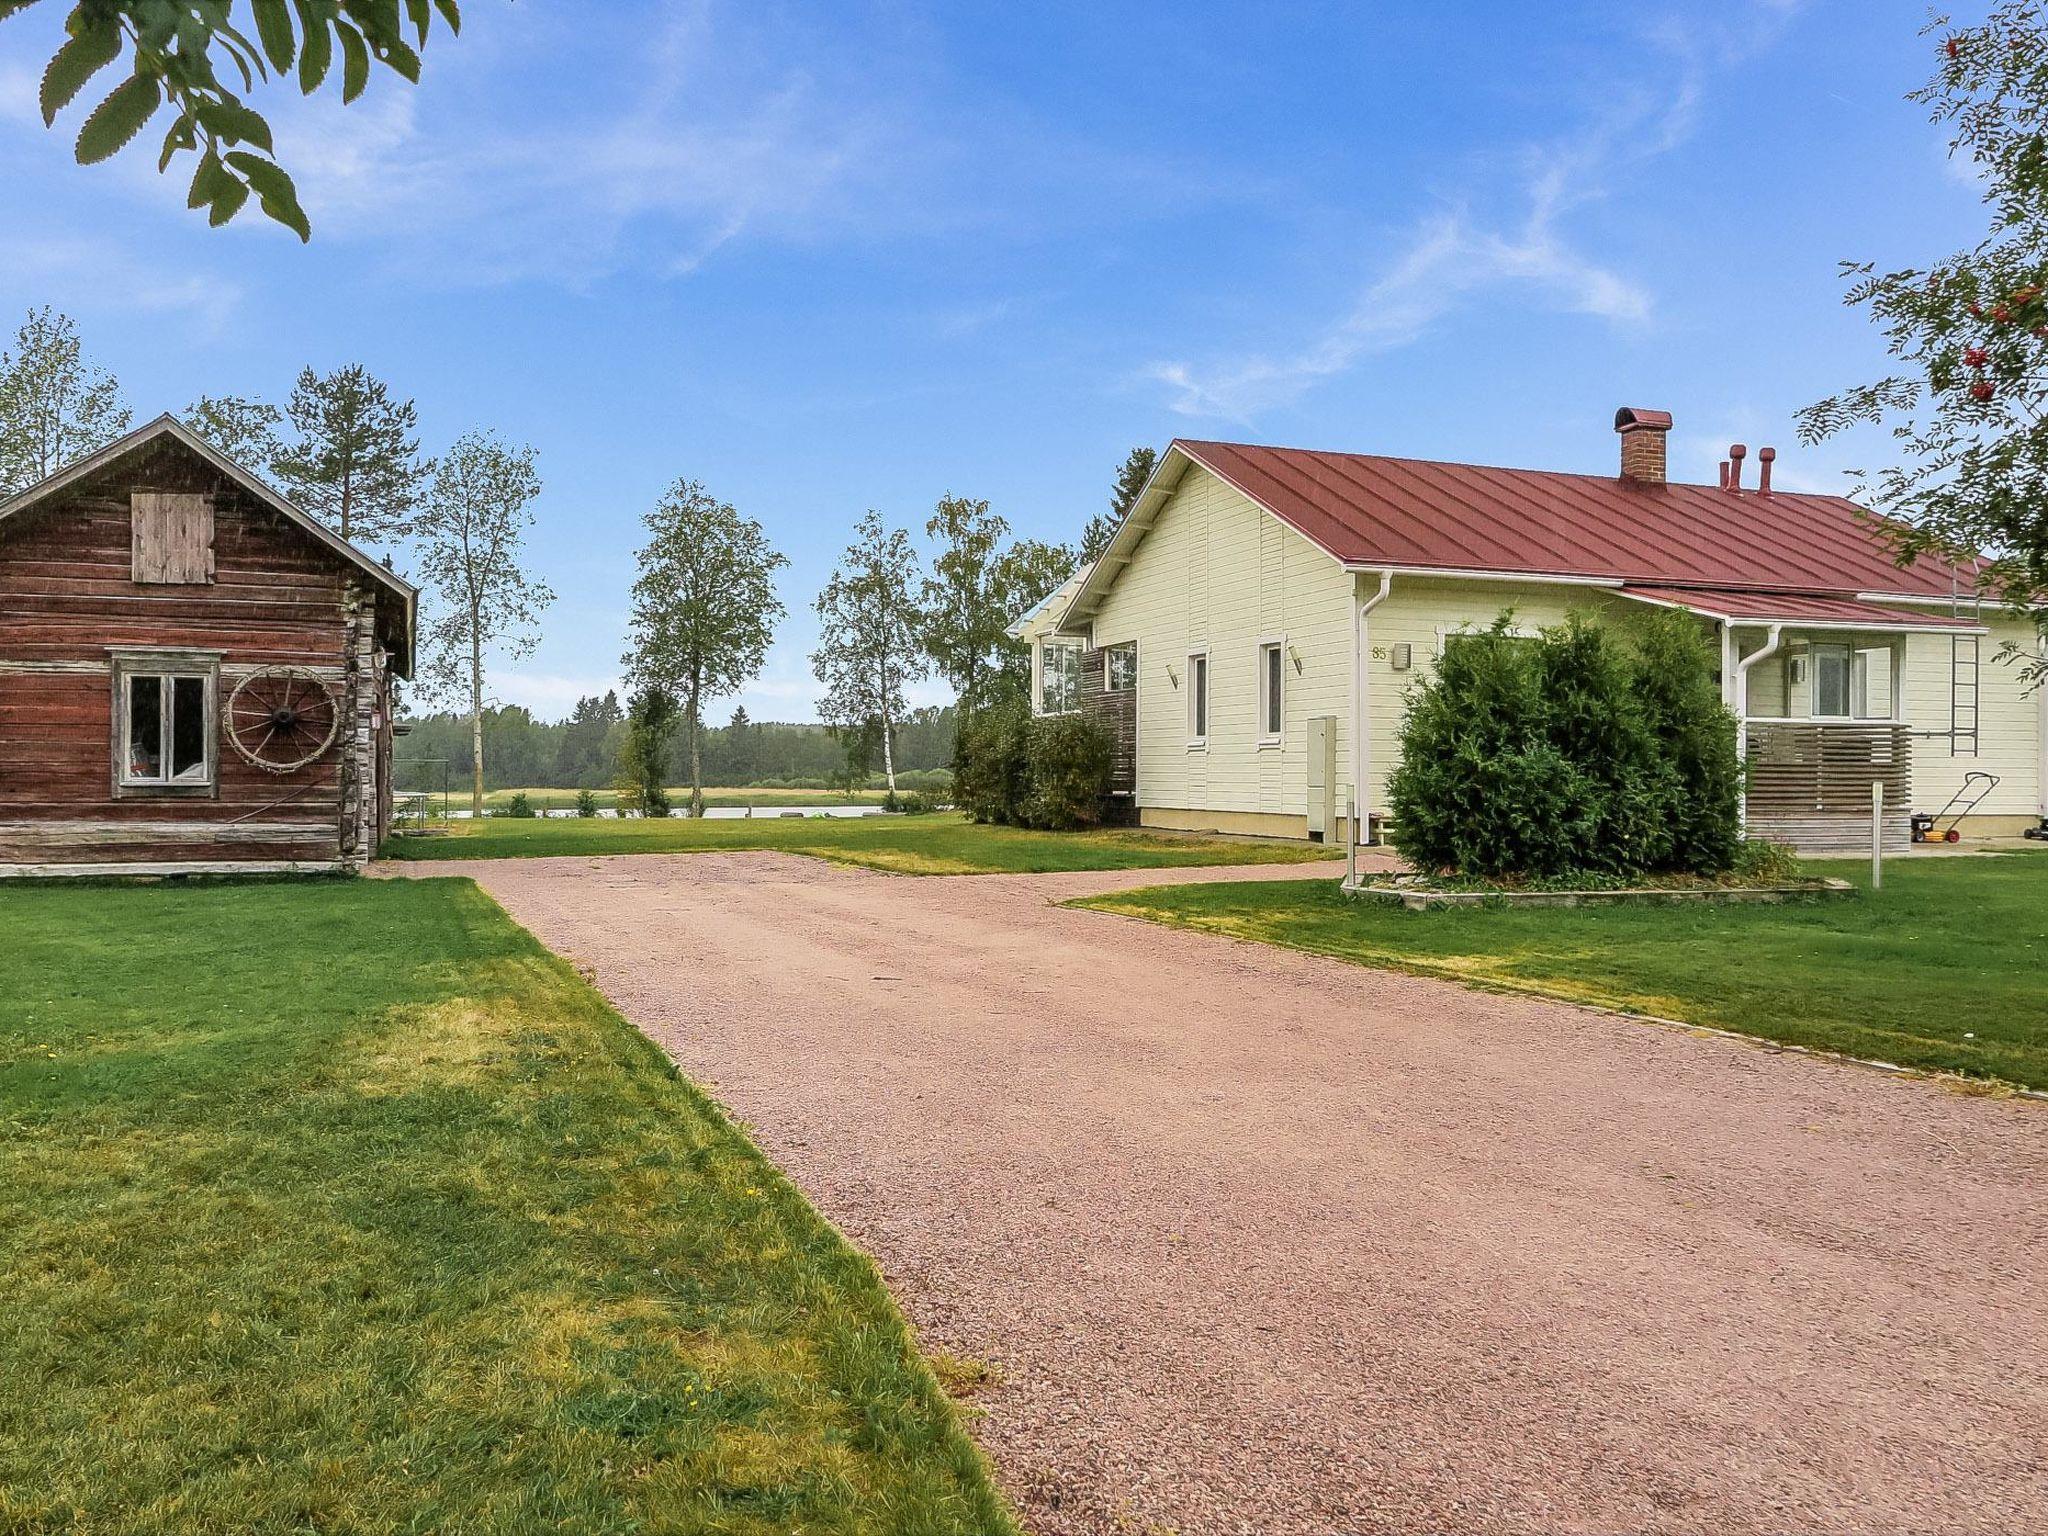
(1271, 676)
(1124, 648)
(166, 666)
(1048, 664)
(1201, 701)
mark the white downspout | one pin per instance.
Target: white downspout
(1361, 709)
(1742, 714)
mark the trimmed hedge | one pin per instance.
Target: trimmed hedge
(1049, 771)
(1572, 752)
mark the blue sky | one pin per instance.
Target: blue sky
(832, 257)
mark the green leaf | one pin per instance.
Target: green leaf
(119, 118)
(274, 190)
(422, 15)
(318, 50)
(9, 7)
(274, 28)
(355, 61)
(400, 57)
(227, 203)
(81, 57)
(181, 136)
(208, 180)
(230, 120)
(451, 13)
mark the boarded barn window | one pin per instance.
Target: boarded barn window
(163, 723)
(173, 537)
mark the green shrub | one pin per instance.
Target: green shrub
(991, 767)
(1069, 759)
(519, 807)
(1050, 772)
(1569, 753)
(586, 803)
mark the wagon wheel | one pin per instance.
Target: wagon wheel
(281, 719)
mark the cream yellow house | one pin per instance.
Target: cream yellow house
(1258, 603)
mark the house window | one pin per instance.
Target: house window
(1059, 681)
(1198, 699)
(1120, 668)
(164, 736)
(1272, 701)
(1831, 667)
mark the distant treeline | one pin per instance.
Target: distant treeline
(582, 751)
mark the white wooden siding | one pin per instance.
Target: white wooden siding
(1217, 573)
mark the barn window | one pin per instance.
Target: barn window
(171, 537)
(163, 722)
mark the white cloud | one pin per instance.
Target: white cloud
(95, 273)
(1521, 244)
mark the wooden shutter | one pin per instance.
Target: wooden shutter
(173, 536)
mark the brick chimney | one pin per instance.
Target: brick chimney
(1642, 444)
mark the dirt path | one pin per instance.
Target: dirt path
(1268, 1243)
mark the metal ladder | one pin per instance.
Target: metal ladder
(1964, 657)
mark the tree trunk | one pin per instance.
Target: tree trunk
(476, 726)
(696, 752)
(888, 733)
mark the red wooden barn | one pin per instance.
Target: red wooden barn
(195, 676)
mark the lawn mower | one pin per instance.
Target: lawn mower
(1975, 786)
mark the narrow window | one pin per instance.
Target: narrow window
(1120, 668)
(1198, 698)
(1830, 681)
(1060, 680)
(165, 730)
(1272, 713)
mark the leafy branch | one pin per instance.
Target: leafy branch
(177, 50)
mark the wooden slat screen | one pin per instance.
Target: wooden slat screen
(173, 537)
(1806, 768)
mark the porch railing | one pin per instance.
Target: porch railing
(1809, 780)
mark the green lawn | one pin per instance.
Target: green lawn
(1945, 969)
(565, 799)
(943, 844)
(344, 1207)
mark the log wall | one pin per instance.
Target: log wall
(68, 598)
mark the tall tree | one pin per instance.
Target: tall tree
(868, 648)
(643, 758)
(1027, 573)
(739, 748)
(470, 535)
(54, 407)
(356, 463)
(962, 599)
(1131, 476)
(244, 430)
(580, 753)
(171, 48)
(1970, 403)
(704, 608)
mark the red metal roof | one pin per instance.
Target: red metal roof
(1369, 510)
(1796, 608)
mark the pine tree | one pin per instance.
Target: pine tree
(1131, 476)
(356, 463)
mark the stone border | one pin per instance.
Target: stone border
(1423, 898)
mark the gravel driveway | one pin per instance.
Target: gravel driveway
(1268, 1243)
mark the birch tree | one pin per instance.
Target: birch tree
(356, 463)
(471, 531)
(54, 407)
(868, 647)
(704, 608)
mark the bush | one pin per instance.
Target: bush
(586, 803)
(1051, 772)
(1069, 759)
(519, 807)
(991, 764)
(916, 804)
(1569, 754)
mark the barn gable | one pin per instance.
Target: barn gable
(193, 673)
